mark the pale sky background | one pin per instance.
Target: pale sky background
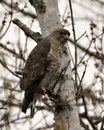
(80, 25)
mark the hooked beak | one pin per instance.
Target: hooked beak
(67, 37)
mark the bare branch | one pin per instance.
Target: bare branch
(20, 10)
(75, 43)
(5, 66)
(12, 52)
(93, 54)
(28, 32)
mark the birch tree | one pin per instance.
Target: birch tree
(49, 20)
(80, 97)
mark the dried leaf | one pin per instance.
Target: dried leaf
(5, 118)
(92, 95)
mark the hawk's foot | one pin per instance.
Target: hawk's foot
(46, 90)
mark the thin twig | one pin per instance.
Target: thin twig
(99, 57)
(10, 21)
(74, 35)
(16, 8)
(85, 53)
(12, 51)
(81, 36)
(5, 66)
(83, 75)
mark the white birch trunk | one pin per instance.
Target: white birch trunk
(66, 120)
(50, 19)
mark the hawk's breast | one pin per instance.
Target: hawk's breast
(55, 58)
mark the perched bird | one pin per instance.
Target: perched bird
(42, 64)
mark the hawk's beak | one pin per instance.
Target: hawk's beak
(66, 37)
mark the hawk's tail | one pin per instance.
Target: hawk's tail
(28, 98)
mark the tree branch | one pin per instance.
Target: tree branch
(12, 52)
(20, 10)
(90, 53)
(75, 43)
(5, 66)
(38, 37)
(28, 32)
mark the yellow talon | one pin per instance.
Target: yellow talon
(44, 89)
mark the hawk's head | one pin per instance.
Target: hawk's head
(62, 35)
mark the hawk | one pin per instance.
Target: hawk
(42, 64)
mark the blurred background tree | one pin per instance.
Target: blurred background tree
(15, 47)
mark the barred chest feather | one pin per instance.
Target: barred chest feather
(55, 58)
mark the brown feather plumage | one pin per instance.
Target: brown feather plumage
(42, 64)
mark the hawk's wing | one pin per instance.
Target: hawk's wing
(35, 66)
